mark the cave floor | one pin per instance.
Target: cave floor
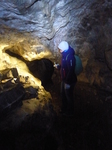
(89, 129)
(91, 126)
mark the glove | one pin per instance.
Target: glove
(67, 86)
(56, 65)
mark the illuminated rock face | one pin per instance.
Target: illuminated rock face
(39, 68)
(18, 95)
(85, 25)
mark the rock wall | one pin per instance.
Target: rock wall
(86, 25)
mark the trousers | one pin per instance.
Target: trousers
(67, 96)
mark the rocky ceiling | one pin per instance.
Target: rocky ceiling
(34, 28)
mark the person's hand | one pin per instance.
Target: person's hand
(56, 65)
(67, 86)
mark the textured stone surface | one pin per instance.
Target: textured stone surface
(8, 73)
(14, 89)
(37, 26)
(33, 29)
(11, 98)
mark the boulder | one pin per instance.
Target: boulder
(11, 98)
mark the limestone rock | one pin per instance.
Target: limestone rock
(85, 25)
(8, 73)
(11, 98)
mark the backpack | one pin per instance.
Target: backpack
(78, 66)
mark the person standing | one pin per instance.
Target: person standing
(68, 77)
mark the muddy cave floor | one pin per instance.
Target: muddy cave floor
(89, 129)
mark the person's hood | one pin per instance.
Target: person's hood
(63, 46)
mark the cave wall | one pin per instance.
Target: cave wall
(86, 25)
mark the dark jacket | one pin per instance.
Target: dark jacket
(67, 68)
